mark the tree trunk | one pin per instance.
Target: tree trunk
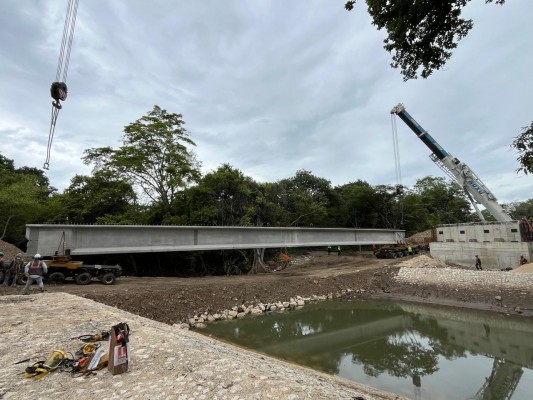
(259, 265)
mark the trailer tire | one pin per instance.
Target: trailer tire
(108, 278)
(84, 278)
(56, 278)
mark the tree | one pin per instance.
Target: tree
(446, 202)
(356, 205)
(306, 198)
(23, 199)
(154, 157)
(90, 198)
(421, 33)
(222, 197)
(523, 143)
(522, 209)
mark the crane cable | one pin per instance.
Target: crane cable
(397, 165)
(58, 90)
(396, 153)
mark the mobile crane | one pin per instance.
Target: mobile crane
(475, 189)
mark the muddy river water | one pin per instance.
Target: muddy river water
(418, 351)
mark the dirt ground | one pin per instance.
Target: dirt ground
(174, 300)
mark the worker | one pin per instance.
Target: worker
(35, 270)
(329, 250)
(1, 263)
(409, 249)
(339, 251)
(18, 264)
(523, 260)
(478, 263)
(12, 270)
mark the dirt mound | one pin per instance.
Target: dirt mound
(524, 268)
(9, 250)
(421, 237)
(422, 261)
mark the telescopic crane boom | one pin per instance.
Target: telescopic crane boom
(457, 170)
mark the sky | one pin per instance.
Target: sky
(270, 87)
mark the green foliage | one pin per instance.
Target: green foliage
(305, 198)
(523, 143)
(223, 197)
(446, 203)
(356, 205)
(23, 199)
(269, 208)
(522, 209)
(421, 33)
(101, 197)
(154, 157)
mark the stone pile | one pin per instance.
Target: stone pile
(462, 278)
(243, 310)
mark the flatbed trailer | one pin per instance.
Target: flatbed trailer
(62, 267)
(397, 250)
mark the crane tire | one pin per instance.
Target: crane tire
(56, 278)
(84, 278)
(108, 278)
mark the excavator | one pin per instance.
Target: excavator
(475, 189)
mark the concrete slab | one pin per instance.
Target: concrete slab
(167, 362)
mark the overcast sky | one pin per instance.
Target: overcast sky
(270, 87)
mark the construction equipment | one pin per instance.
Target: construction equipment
(475, 189)
(61, 267)
(397, 250)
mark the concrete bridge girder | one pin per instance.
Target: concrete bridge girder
(45, 239)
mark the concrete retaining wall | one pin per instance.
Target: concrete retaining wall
(493, 255)
(498, 244)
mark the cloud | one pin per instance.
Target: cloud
(269, 87)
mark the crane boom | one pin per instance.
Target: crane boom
(459, 171)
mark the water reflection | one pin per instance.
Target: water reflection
(417, 351)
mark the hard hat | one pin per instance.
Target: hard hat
(19, 255)
(37, 255)
(1, 254)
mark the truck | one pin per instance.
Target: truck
(397, 250)
(62, 267)
(475, 189)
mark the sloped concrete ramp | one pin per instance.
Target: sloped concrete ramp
(167, 362)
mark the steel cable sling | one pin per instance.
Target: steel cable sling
(399, 186)
(58, 90)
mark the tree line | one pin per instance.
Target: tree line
(155, 178)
